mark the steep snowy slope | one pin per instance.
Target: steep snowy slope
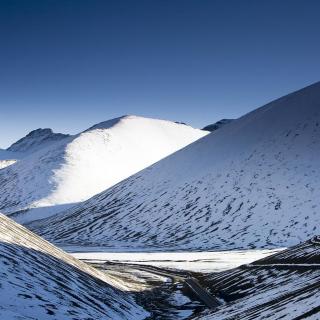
(284, 286)
(39, 281)
(252, 183)
(77, 167)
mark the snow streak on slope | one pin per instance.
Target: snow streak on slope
(8, 158)
(252, 183)
(277, 287)
(7, 162)
(77, 167)
(39, 281)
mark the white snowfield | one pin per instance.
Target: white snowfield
(74, 168)
(39, 281)
(253, 183)
(197, 261)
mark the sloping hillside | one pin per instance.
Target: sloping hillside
(39, 281)
(77, 167)
(281, 286)
(252, 183)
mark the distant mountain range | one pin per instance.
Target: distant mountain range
(252, 183)
(60, 170)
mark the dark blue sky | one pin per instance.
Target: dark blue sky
(69, 64)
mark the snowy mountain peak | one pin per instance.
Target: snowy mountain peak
(76, 168)
(40, 132)
(106, 124)
(35, 140)
(130, 119)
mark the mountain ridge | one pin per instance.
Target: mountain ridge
(76, 167)
(35, 140)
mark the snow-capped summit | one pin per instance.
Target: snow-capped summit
(112, 122)
(36, 140)
(75, 168)
(253, 183)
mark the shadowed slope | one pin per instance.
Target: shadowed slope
(282, 286)
(39, 281)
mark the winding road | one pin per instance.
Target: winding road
(193, 284)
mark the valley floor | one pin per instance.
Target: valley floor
(197, 261)
(163, 282)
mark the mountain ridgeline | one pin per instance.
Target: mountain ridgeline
(70, 169)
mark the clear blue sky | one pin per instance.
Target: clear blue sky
(67, 64)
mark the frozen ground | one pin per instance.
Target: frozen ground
(159, 294)
(203, 261)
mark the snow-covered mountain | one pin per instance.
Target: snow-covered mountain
(35, 140)
(282, 286)
(217, 125)
(74, 168)
(39, 281)
(32, 142)
(252, 183)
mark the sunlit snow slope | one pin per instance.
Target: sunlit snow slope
(77, 167)
(39, 281)
(252, 183)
